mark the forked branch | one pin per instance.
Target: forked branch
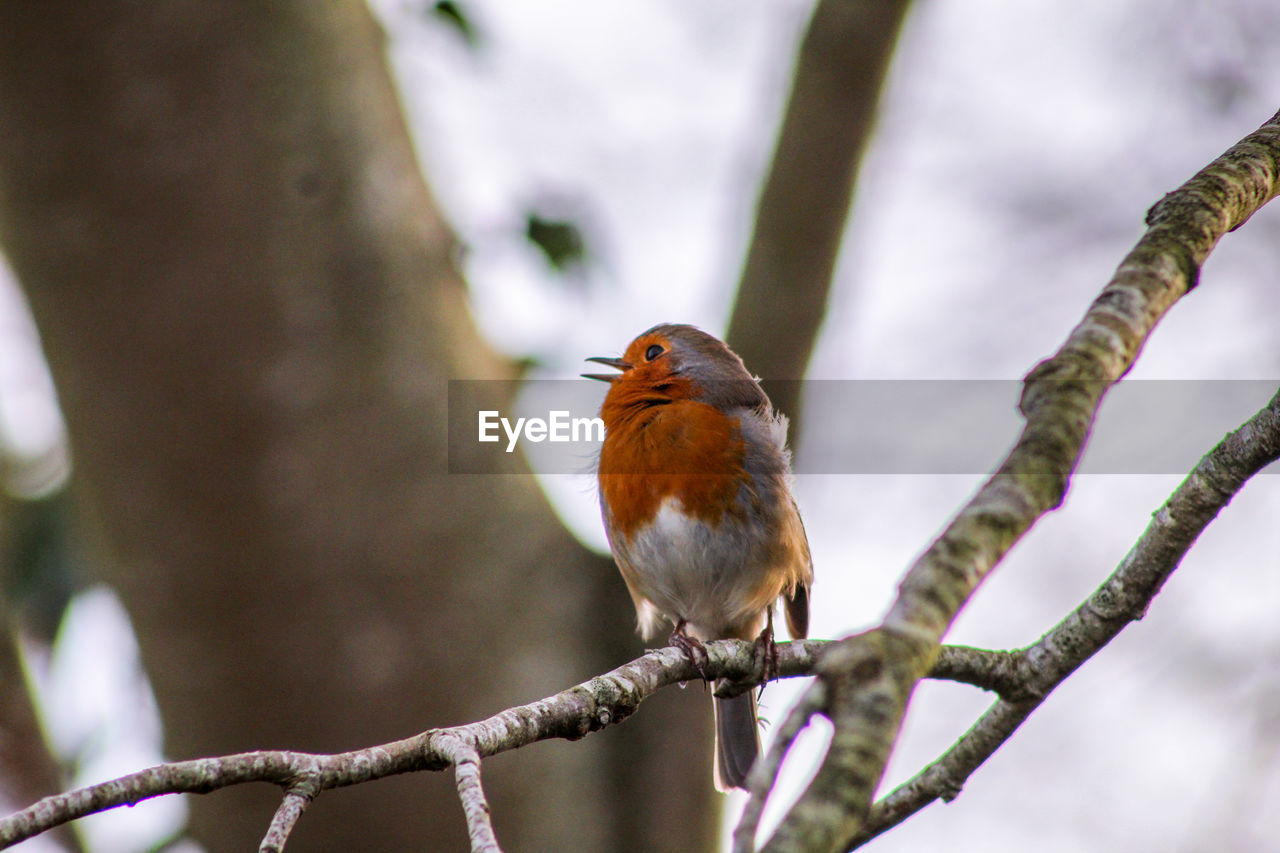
(868, 679)
(1121, 599)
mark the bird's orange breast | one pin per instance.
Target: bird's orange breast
(682, 448)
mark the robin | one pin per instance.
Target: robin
(695, 490)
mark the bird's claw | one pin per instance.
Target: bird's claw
(692, 648)
(765, 653)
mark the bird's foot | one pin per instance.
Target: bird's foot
(765, 652)
(692, 648)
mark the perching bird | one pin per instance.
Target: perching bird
(695, 490)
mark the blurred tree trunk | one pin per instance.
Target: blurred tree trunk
(249, 302)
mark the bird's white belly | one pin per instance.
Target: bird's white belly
(702, 573)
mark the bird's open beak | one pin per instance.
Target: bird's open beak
(611, 362)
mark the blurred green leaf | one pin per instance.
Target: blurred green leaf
(560, 240)
(451, 14)
(36, 564)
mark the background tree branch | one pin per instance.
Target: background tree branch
(801, 213)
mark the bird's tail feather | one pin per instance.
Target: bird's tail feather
(737, 740)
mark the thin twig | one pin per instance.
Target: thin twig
(765, 771)
(297, 796)
(997, 671)
(466, 765)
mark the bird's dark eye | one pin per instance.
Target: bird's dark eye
(653, 352)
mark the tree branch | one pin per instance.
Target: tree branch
(870, 677)
(593, 705)
(605, 700)
(571, 714)
(800, 217)
(1000, 672)
(1121, 599)
(466, 763)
